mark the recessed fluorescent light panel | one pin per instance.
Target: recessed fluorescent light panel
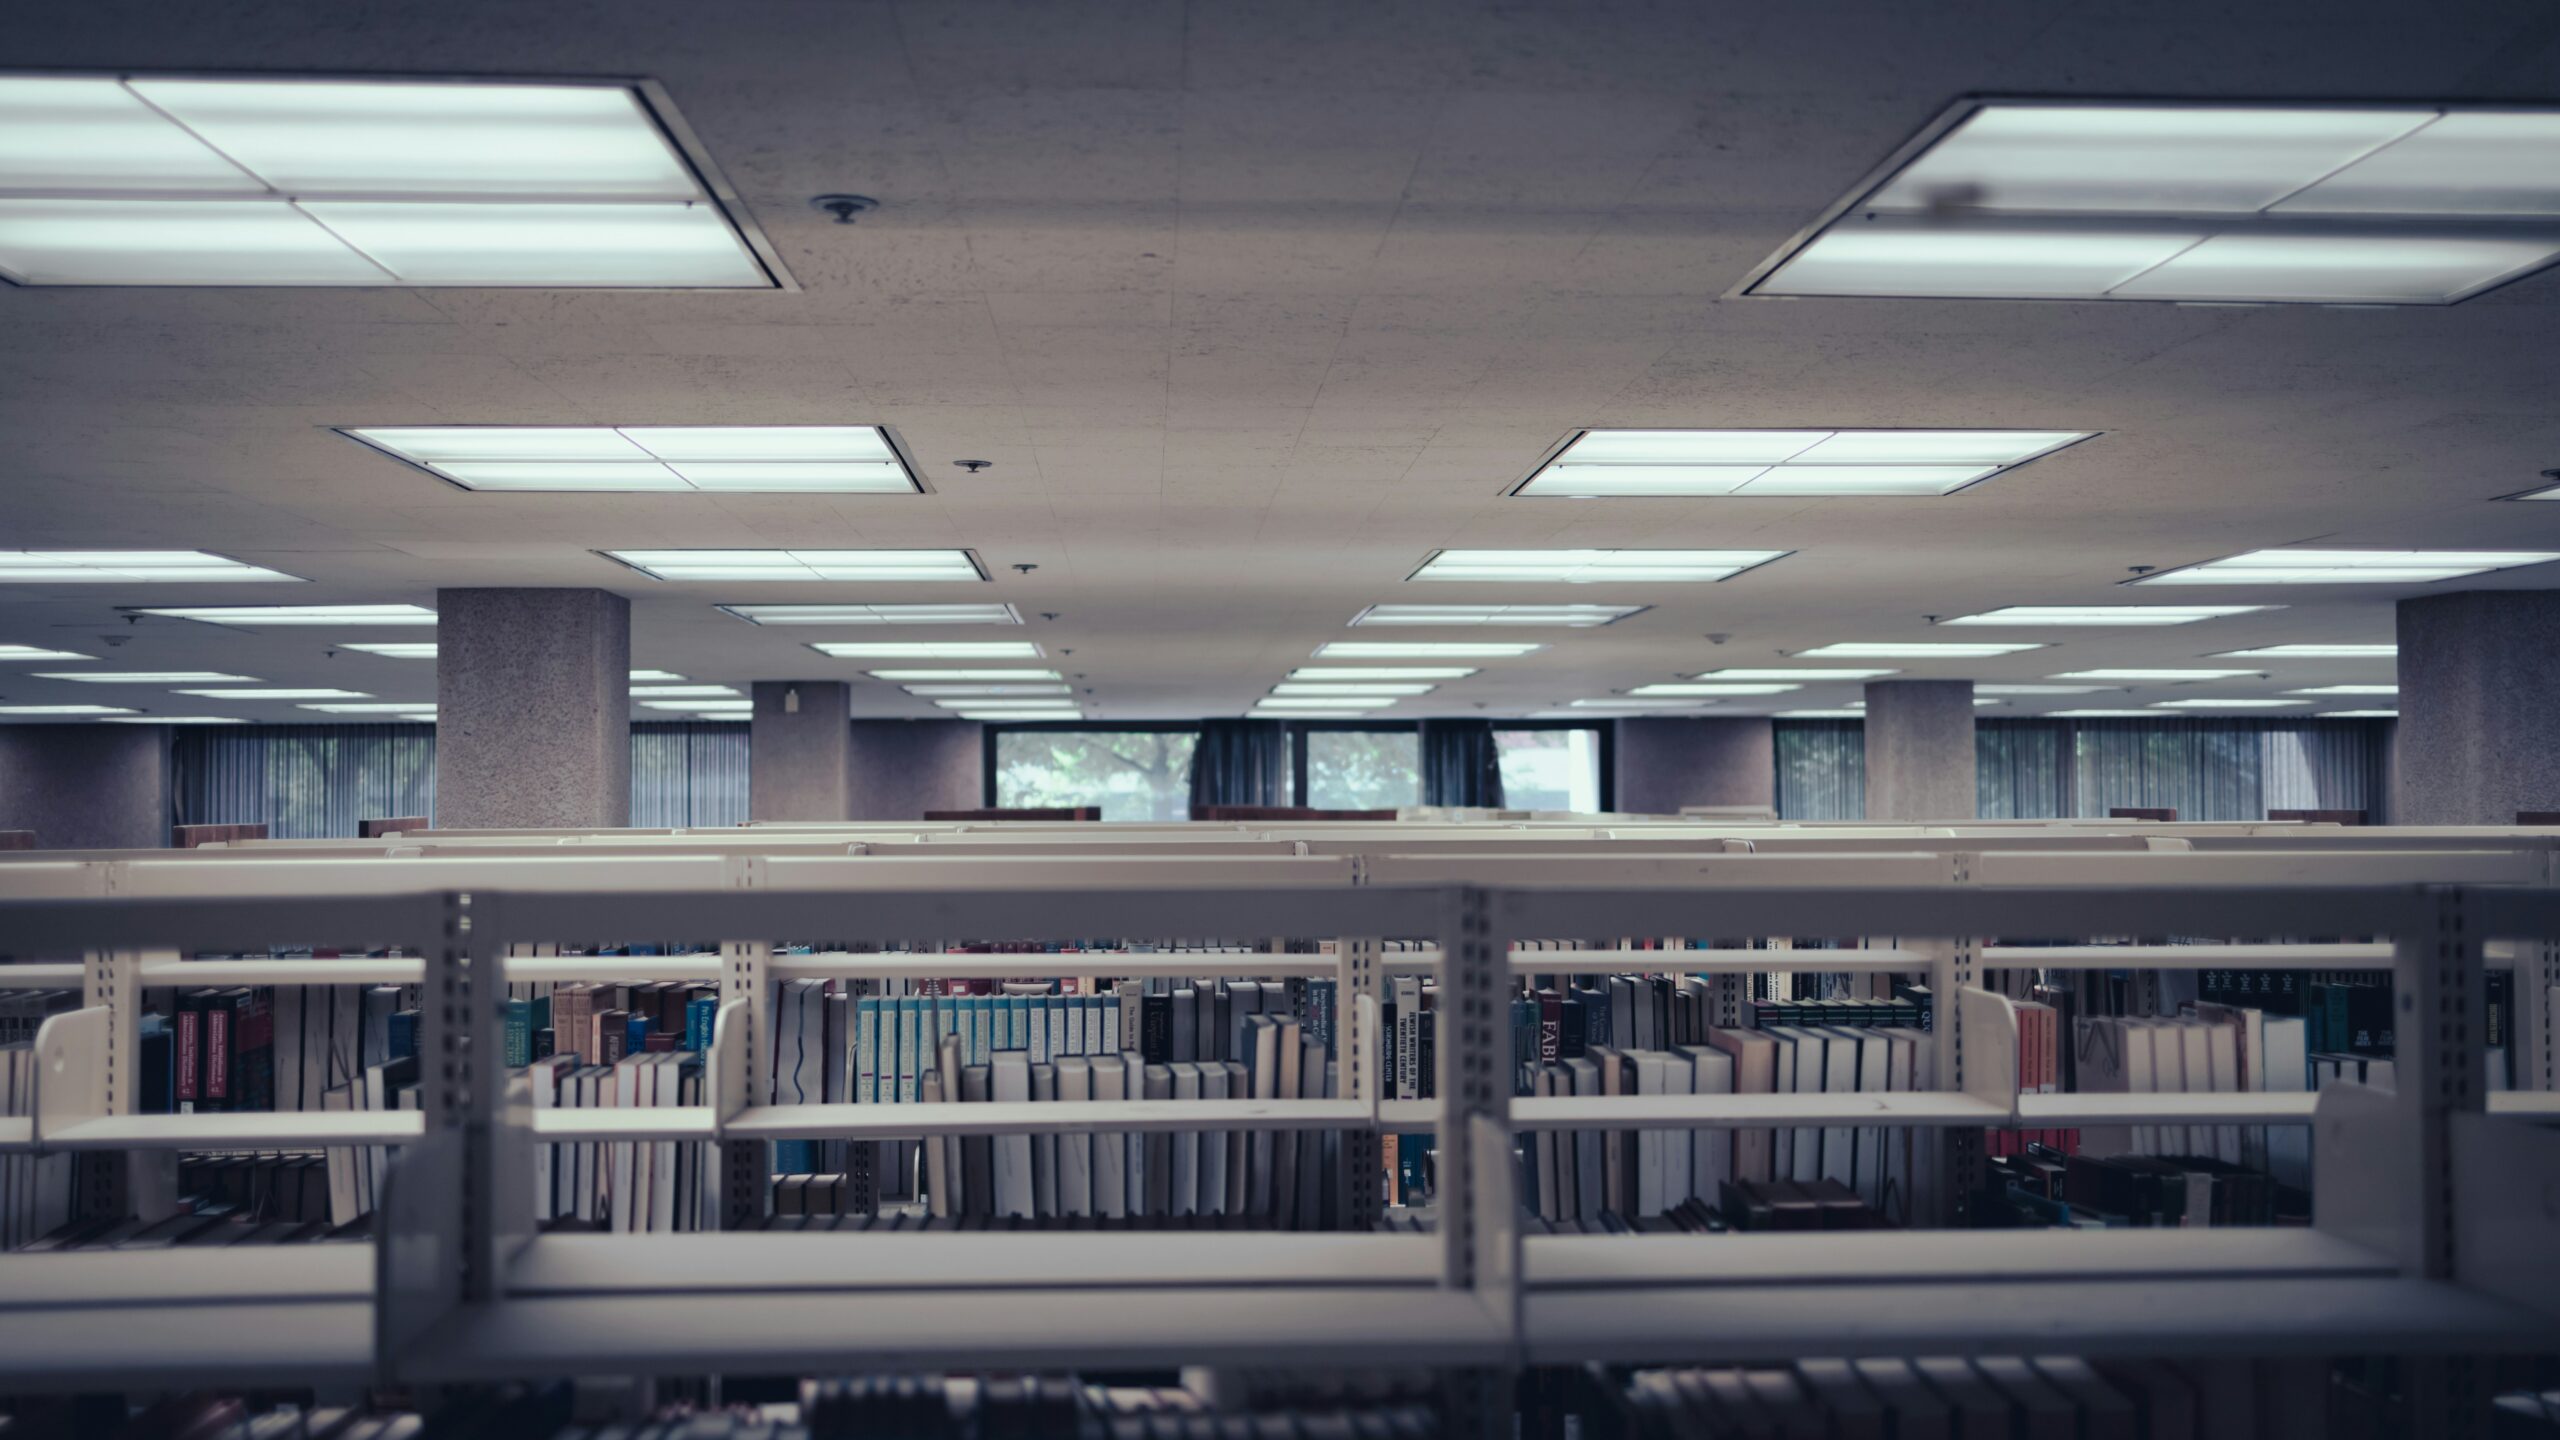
(2551, 494)
(654, 677)
(2100, 715)
(1713, 688)
(929, 649)
(123, 567)
(2194, 200)
(403, 650)
(1636, 463)
(173, 720)
(1574, 616)
(1018, 717)
(860, 615)
(1383, 672)
(2108, 615)
(2202, 704)
(1425, 649)
(1914, 650)
(1861, 705)
(2348, 690)
(2357, 715)
(420, 708)
(1623, 702)
(1323, 702)
(1981, 689)
(1371, 687)
(883, 566)
(145, 677)
(1592, 567)
(2311, 652)
(674, 459)
(930, 692)
(682, 692)
(1807, 675)
(259, 616)
(64, 710)
(901, 676)
(285, 694)
(2136, 676)
(1820, 715)
(36, 652)
(315, 180)
(2347, 567)
(1041, 704)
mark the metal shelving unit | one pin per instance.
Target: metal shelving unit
(2423, 1194)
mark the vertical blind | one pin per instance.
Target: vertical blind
(307, 782)
(2205, 769)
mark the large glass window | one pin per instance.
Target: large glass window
(1131, 774)
(1549, 769)
(1363, 769)
(689, 772)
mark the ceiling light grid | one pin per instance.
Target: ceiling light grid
(929, 649)
(37, 652)
(970, 673)
(66, 710)
(128, 567)
(1592, 567)
(2201, 201)
(257, 617)
(1426, 649)
(1802, 675)
(395, 649)
(879, 566)
(1917, 650)
(145, 677)
(1579, 617)
(310, 180)
(2305, 566)
(2104, 615)
(1383, 672)
(2311, 652)
(988, 613)
(676, 459)
(1799, 463)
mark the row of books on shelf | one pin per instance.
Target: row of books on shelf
(36, 1191)
(2042, 1397)
(2038, 1187)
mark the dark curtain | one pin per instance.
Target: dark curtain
(689, 772)
(1460, 764)
(303, 782)
(1822, 769)
(1241, 762)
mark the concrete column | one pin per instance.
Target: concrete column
(1665, 762)
(800, 751)
(1920, 750)
(86, 787)
(533, 708)
(902, 768)
(2479, 707)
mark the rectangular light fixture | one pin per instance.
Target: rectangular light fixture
(2347, 567)
(930, 692)
(1800, 463)
(1050, 703)
(127, 567)
(1320, 702)
(367, 181)
(2136, 676)
(2553, 493)
(1383, 672)
(260, 616)
(1318, 714)
(1714, 688)
(717, 459)
(1372, 687)
(990, 613)
(2109, 615)
(64, 710)
(740, 708)
(2357, 715)
(1623, 702)
(1915, 650)
(1807, 675)
(2101, 715)
(2311, 652)
(1592, 567)
(1982, 689)
(896, 677)
(881, 566)
(682, 692)
(2347, 690)
(929, 649)
(1819, 715)
(2194, 200)
(143, 677)
(172, 720)
(279, 694)
(2243, 704)
(37, 652)
(1425, 649)
(1018, 717)
(398, 649)
(654, 677)
(1572, 616)
(423, 708)
(1978, 700)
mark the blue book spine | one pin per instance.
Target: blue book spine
(979, 1012)
(519, 1041)
(637, 1031)
(701, 1017)
(1017, 1022)
(404, 1034)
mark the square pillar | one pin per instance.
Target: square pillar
(1920, 750)
(800, 751)
(2479, 731)
(1665, 762)
(902, 768)
(533, 708)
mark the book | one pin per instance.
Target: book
(1011, 1083)
(1075, 1150)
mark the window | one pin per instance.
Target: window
(1555, 769)
(689, 772)
(303, 782)
(1363, 769)
(1131, 774)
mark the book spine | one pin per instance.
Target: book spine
(519, 1033)
(217, 1055)
(188, 1079)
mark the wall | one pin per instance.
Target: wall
(1666, 762)
(902, 768)
(86, 787)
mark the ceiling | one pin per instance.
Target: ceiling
(1254, 306)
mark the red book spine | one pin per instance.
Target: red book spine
(217, 1052)
(189, 1039)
